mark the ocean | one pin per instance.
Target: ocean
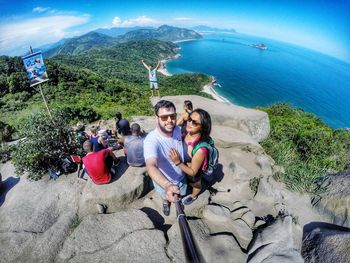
(253, 77)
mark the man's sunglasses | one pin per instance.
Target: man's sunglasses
(194, 122)
(166, 117)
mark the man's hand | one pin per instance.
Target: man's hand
(171, 191)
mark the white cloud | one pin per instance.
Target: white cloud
(182, 18)
(40, 9)
(139, 21)
(16, 37)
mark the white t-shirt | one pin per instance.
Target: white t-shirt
(158, 146)
(152, 75)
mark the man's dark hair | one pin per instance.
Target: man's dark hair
(163, 104)
(118, 115)
(135, 128)
(205, 124)
(188, 105)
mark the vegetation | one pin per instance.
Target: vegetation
(47, 141)
(91, 85)
(305, 146)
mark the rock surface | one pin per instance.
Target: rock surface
(326, 243)
(232, 220)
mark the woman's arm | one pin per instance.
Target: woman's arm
(196, 164)
(181, 119)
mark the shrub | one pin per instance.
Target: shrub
(305, 146)
(6, 132)
(47, 141)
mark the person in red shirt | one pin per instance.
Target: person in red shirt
(99, 164)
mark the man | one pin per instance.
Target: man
(133, 146)
(168, 179)
(152, 76)
(99, 165)
(122, 126)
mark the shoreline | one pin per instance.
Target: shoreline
(208, 88)
(185, 40)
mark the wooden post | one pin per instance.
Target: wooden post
(47, 106)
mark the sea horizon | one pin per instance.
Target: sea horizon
(284, 73)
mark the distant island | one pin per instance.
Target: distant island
(203, 29)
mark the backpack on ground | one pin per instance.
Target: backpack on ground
(69, 166)
(213, 159)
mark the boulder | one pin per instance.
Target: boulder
(36, 218)
(275, 242)
(253, 122)
(220, 247)
(326, 243)
(131, 184)
(127, 236)
(333, 198)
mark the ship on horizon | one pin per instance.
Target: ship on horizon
(260, 46)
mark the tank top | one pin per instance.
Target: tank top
(96, 146)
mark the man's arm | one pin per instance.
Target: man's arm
(145, 65)
(110, 153)
(171, 190)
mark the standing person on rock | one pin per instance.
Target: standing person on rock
(198, 131)
(152, 76)
(168, 179)
(182, 121)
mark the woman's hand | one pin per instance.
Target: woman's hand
(174, 156)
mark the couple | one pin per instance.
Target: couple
(169, 158)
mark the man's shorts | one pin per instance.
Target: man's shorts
(153, 84)
(182, 185)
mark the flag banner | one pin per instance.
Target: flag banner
(35, 68)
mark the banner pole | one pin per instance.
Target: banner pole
(42, 94)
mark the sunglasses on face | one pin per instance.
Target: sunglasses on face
(166, 117)
(194, 122)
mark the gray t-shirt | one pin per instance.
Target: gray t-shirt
(158, 146)
(152, 75)
(134, 150)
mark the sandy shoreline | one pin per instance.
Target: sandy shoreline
(210, 90)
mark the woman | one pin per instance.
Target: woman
(182, 121)
(97, 139)
(198, 130)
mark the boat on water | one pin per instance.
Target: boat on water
(260, 46)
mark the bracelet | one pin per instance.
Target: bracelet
(177, 164)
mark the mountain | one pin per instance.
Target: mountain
(164, 33)
(203, 28)
(117, 31)
(94, 39)
(81, 44)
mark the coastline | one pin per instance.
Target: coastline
(208, 88)
(185, 40)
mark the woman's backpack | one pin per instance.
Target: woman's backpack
(213, 159)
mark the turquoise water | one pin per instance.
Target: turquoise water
(284, 73)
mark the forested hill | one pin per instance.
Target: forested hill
(94, 84)
(84, 43)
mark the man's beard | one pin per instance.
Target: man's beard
(166, 131)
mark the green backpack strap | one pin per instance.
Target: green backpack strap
(200, 145)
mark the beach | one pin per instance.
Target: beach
(210, 90)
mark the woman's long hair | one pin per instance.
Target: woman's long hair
(205, 125)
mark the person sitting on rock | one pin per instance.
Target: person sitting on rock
(81, 135)
(133, 146)
(97, 139)
(99, 165)
(122, 126)
(198, 130)
(182, 121)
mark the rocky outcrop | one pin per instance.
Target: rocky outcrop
(255, 123)
(245, 216)
(333, 198)
(326, 243)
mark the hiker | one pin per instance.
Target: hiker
(182, 121)
(198, 130)
(81, 135)
(97, 139)
(99, 165)
(152, 76)
(133, 146)
(122, 126)
(168, 179)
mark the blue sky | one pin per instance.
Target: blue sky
(319, 25)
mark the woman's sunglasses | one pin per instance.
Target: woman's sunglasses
(194, 122)
(166, 117)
